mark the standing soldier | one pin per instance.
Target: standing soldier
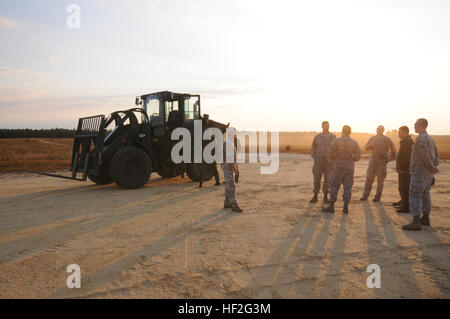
(205, 166)
(380, 146)
(322, 164)
(402, 166)
(345, 152)
(230, 168)
(204, 170)
(424, 163)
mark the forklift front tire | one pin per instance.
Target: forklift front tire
(131, 168)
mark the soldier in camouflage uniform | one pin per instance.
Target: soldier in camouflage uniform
(204, 169)
(380, 145)
(229, 168)
(345, 152)
(424, 163)
(322, 164)
(402, 167)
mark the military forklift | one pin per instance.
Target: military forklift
(128, 146)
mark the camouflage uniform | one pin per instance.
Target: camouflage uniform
(322, 164)
(424, 159)
(228, 175)
(380, 146)
(345, 152)
(402, 167)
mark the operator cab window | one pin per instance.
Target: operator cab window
(192, 108)
(151, 106)
(170, 107)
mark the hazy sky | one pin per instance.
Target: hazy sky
(280, 64)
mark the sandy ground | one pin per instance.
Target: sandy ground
(172, 240)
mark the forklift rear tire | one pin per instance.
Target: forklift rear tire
(131, 168)
(104, 178)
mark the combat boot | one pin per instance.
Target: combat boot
(364, 198)
(403, 210)
(345, 210)
(415, 224)
(377, 198)
(329, 208)
(314, 199)
(425, 219)
(225, 205)
(325, 198)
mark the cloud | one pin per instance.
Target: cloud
(7, 23)
(16, 72)
(43, 109)
(13, 95)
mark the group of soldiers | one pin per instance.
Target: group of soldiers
(334, 160)
(416, 163)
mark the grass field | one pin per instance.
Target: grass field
(300, 142)
(35, 154)
(52, 154)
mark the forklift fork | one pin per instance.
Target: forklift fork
(88, 143)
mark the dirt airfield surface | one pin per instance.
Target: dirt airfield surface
(173, 240)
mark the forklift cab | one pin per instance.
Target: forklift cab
(168, 110)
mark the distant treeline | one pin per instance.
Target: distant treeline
(29, 133)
